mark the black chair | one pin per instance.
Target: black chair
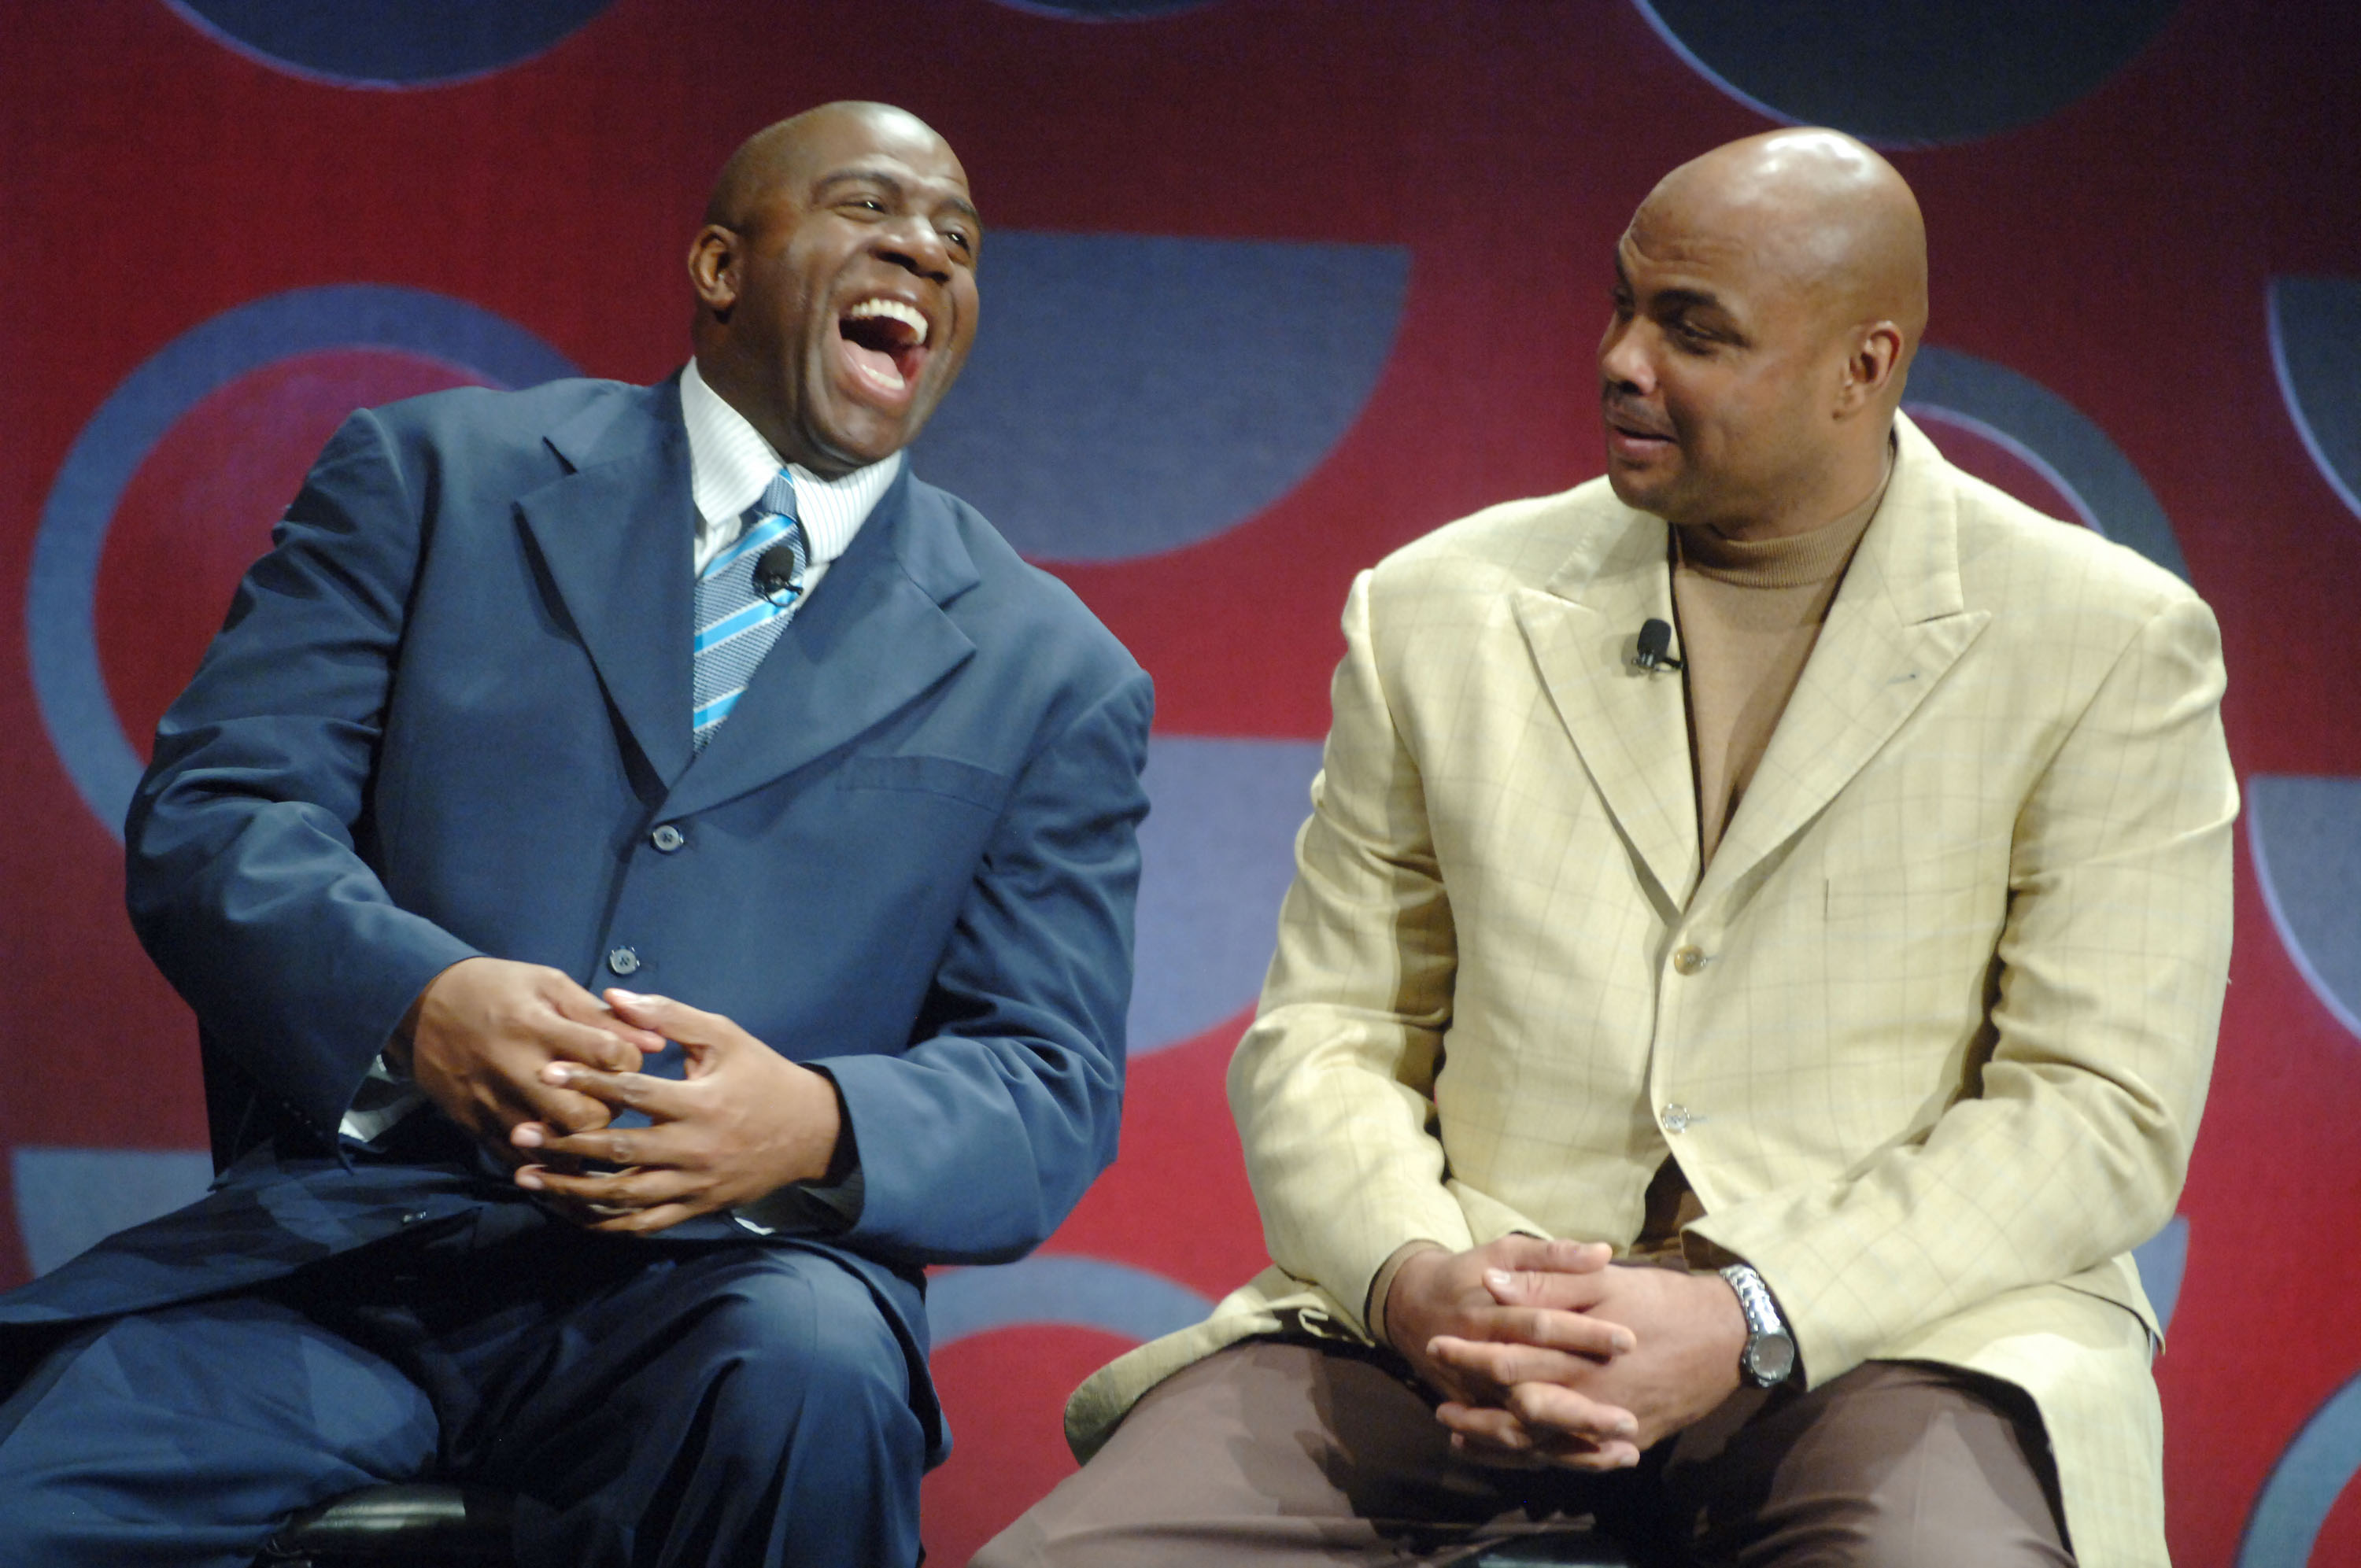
(1578, 1548)
(415, 1525)
(423, 1525)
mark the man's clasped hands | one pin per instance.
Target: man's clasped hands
(1546, 1352)
(535, 1067)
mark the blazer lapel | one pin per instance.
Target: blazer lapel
(617, 535)
(874, 638)
(1629, 725)
(1897, 624)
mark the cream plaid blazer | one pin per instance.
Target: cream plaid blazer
(1931, 1036)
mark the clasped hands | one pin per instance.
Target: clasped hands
(534, 1068)
(1547, 1352)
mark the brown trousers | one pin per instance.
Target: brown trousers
(1281, 1453)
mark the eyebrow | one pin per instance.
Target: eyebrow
(958, 205)
(1680, 299)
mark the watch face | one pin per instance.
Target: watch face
(1770, 1357)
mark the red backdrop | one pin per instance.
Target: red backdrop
(1464, 171)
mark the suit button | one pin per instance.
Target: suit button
(1678, 1118)
(1689, 961)
(624, 961)
(668, 837)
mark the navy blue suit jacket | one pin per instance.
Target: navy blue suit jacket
(445, 715)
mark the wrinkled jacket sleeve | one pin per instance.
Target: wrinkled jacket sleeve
(246, 878)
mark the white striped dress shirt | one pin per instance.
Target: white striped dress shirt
(729, 463)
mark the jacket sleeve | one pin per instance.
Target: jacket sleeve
(1332, 1087)
(245, 879)
(977, 1141)
(2106, 994)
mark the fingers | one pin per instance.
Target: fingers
(633, 1202)
(1561, 1276)
(662, 1016)
(1499, 1437)
(1551, 1414)
(663, 1143)
(1577, 1334)
(588, 1031)
(1555, 1256)
(709, 1039)
(637, 1187)
(1498, 1367)
(663, 1099)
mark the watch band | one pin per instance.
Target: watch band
(1770, 1354)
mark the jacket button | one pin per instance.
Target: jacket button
(622, 960)
(1678, 1118)
(1689, 961)
(668, 837)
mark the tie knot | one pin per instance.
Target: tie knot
(779, 496)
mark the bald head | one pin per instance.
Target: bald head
(1823, 213)
(778, 155)
(1770, 296)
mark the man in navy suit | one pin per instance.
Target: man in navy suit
(456, 771)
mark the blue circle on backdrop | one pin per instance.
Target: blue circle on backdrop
(2056, 439)
(61, 593)
(389, 43)
(2305, 1485)
(2315, 325)
(1059, 1289)
(1908, 72)
(1139, 393)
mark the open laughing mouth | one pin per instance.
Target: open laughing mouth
(884, 347)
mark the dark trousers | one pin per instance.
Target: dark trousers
(1288, 1455)
(649, 1404)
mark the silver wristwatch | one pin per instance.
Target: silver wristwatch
(1770, 1353)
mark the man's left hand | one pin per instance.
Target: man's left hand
(744, 1122)
(1690, 1333)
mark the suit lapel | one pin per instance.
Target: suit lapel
(874, 638)
(1630, 726)
(618, 537)
(1897, 624)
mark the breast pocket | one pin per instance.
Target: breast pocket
(1926, 912)
(919, 773)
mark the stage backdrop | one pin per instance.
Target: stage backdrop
(1272, 286)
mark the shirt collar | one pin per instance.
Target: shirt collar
(729, 465)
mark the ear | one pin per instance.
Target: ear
(713, 269)
(1871, 368)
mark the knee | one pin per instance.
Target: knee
(811, 1340)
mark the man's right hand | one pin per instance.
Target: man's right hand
(1439, 1293)
(479, 1034)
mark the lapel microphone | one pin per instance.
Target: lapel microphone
(1655, 638)
(776, 573)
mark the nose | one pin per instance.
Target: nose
(1623, 361)
(913, 245)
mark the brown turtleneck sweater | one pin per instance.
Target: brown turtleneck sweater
(1749, 612)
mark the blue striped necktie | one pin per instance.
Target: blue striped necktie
(737, 622)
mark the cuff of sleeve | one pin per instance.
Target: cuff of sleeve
(803, 1209)
(1374, 1314)
(1822, 1352)
(831, 1205)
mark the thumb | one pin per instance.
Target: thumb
(668, 1020)
(703, 1037)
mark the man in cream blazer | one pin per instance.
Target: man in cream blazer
(1920, 1036)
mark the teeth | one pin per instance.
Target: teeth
(891, 309)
